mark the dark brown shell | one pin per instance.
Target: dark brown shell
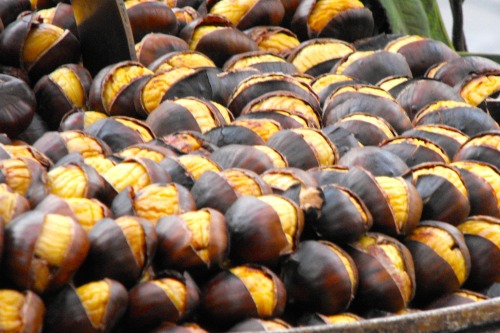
(151, 17)
(175, 248)
(66, 313)
(154, 45)
(115, 134)
(316, 265)
(10, 9)
(482, 152)
(413, 153)
(377, 288)
(52, 102)
(256, 233)
(433, 274)
(343, 139)
(349, 25)
(17, 105)
(377, 161)
(456, 70)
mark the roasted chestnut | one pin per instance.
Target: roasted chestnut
(195, 241)
(274, 39)
(21, 311)
(154, 45)
(482, 147)
(377, 161)
(186, 169)
(263, 229)
(97, 307)
(330, 274)
(442, 260)
(14, 204)
(43, 251)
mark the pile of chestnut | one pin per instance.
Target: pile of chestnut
(263, 165)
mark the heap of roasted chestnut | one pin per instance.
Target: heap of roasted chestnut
(263, 165)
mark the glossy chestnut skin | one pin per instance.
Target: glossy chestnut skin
(434, 275)
(151, 17)
(177, 248)
(107, 238)
(344, 216)
(66, 311)
(52, 100)
(31, 313)
(350, 24)
(459, 297)
(454, 71)
(377, 161)
(442, 190)
(343, 139)
(256, 231)
(153, 45)
(10, 9)
(414, 150)
(17, 105)
(216, 190)
(260, 13)
(329, 272)
(483, 250)
(379, 284)
(369, 130)
(21, 264)
(149, 305)
(247, 157)
(219, 46)
(260, 325)
(481, 147)
(231, 307)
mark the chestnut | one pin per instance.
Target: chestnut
(170, 297)
(219, 190)
(19, 149)
(195, 241)
(186, 114)
(185, 142)
(43, 251)
(304, 148)
(481, 237)
(255, 158)
(257, 85)
(17, 105)
(133, 237)
(349, 20)
(264, 61)
(263, 229)
(182, 58)
(61, 14)
(394, 203)
(26, 177)
(97, 306)
(362, 98)
(10, 9)
(155, 152)
(286, 119)
(324, 84)
(87, 212)
(448, 138)
(469, 119)
(150, 17)
(329, 273)
(273, 39)
(454, 71)
(120, 132)
(480, 90)
(242, 292)
(481, 180)
(154, 201)
(421, 53)
(179, 328)
(317, 56)
(186, 169)
(56, 145)
(113, 88)
(334, 174)
(154, 45)
(14, 204)
(288, 101)
(249, 13)
(377, 161)
(21, 311)
(414, 150)
(136, 172)
(343, 139)
(386, 273)
(63, 90)
(79, 119)
(482, 147)
(344, 216)
(216, 37)
(369, 130)
(442, 260)
(37, 47)
(442, 190)
(372, 66)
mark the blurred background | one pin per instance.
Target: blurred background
(481, 24)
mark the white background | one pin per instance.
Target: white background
(481, 24)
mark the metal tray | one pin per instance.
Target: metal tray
(477, 317)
